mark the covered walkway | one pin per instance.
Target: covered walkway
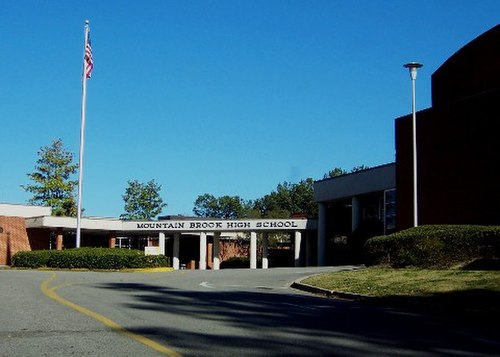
(303, 244)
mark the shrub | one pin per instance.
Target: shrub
(235, 262)
(35, 259)
(89, 258)
(434, 246)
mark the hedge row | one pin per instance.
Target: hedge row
(235, 262)
(434, 246)
(89, 258)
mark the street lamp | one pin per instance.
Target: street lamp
(413, 66)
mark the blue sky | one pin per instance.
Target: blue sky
(221, 97)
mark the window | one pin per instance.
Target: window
(390, 211)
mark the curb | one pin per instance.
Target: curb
(335, 294)
(76, 270)
(148, 270)
(388, 302)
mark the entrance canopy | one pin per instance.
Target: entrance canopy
(181, 225)
(221, 225)
(176, 228)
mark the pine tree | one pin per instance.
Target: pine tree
(52, 185)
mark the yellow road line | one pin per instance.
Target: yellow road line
(50, 292)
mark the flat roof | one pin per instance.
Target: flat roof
(20, 210)
(362, 182)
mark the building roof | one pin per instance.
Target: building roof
(472, 70)
(371, 180)
(25, 211)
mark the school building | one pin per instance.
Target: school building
(190, 242)
(458, 150)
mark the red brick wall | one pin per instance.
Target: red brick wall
(13, 238)
(4, 246)
(233, 248)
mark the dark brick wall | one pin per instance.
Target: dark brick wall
(474, 69)
(458, 153)
(458, 142)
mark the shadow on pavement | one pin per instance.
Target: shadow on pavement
(270, 323)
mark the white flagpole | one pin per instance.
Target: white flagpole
(82, 137)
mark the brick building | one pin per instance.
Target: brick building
(458, 145)
(195, 242)
(14, 236)
(458, 150)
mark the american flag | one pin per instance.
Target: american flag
(89, 61)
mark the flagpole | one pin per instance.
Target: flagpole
(82, 137)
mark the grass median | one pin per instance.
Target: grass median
(474, 292)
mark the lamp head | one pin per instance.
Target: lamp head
(413, 66)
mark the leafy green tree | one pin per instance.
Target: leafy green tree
(268, 207)
(232, 207)
(206, 206)
(289, 199)
(303, 198)
(226, 207)
(52, 184)
(337, 171)
(360, 168)
(142, 200)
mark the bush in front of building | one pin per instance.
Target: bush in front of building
(89, 258)
(34, 259)
(235, 263)
(434, 246)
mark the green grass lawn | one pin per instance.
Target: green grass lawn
(453, 289)
(382, 282)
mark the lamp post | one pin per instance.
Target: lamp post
(413, 66)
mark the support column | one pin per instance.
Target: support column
(253, 250)
(210, 255)
(112, 239)
(59, 239)
(321, 234)
(355, 213)
(161, 241)
(309, 249)
(216, 248)
(175, 251)
(203, 251)
(265, 250)
(296, 244)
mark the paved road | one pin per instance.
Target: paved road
(211, 313)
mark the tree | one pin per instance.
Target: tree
(359, 168)
(142, 200)
(206, 206)
(289, 199)
(337, 171)
(226, 207)
(52, 183)
(303, 198)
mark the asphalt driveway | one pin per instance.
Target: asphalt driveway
(212, 313)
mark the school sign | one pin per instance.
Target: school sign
(221, 225)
